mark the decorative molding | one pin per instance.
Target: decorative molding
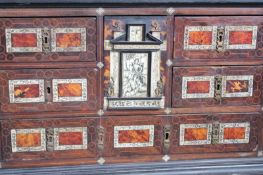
(195, 126)
(222, 126)
(56, 82)
(253, 45)
(40, 98)
(42, 146)
(11, 49)
(134, 127)
(84, 144)
(136, 47)
(210, 94)
(55, 31)
(188, 29)
(249, 93)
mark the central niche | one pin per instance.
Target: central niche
(135, 78)
(135, 74)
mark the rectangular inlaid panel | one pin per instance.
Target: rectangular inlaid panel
(134, 75)
(24, 40)
(66, 90)
(237, 86)
(136, 33)
(133, 136)
(68, 39)
(26, 91)
(200, 37)
(70, 138)
(198, 87)
(241, 37)
(234, 133)
(28, 140)
(195, 134)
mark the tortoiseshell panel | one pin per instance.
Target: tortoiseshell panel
(194, 87)
(234, 133)
(24, 40)
(237, 86)
(200, 38)
(70, 138)
(195, 134)
(70, 90)
(240, 37)
(26, 91)
(65, 40)
(28, 140)
(134, 136)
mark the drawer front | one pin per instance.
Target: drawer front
(214, 133)
(32, 90)
(127, 136)
(49, 39)
(216, 86)
(225, 38)
(135, 55)
(49, 139)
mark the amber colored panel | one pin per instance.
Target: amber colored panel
(24, 40)
(200, 38)
(195, 134)
(70, 90)
(234, 133)
(194, 87)
(134, 136)
(237, 86)
(26, 91)
(240, 37)
(70, 138)
(65, 40)
(28, 140)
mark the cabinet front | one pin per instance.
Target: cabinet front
(214, 133)
(49, 139)
(32, 90)
(218, 38)
(216, 86)
(47, 39)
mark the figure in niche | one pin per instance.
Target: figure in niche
(134, 75)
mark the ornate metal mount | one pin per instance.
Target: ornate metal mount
(218, 88)
(167, 132)
(46, 40)
(220, 39)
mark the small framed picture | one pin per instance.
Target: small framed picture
(136, 32)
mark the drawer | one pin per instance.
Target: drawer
(128, 136)
(49, 139)
(214, 133)
(218, 38)
(47, 39)
(34, 90)
(135, 55)
(216, 86)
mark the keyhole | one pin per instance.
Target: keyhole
(220, 38)
(48, 90)
(46, 40)
(167, 136)
(218, 87)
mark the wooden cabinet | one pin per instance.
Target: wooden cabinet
(112, 85)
